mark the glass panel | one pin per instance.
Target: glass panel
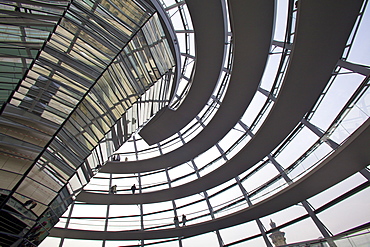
(234, 233)
(200, 240)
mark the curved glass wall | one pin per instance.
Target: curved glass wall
(270, 84)
(309, 143)
(101, 74)
(343, 107)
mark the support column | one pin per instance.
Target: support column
(106, 223)
(173, 201)
(219, 238)
(258, 221)
(266, 93)
(365, 172)
(356, 68)
(244, 191)
(320, 133)
(324, 231)
(140, 191)
(67, 223)
(107, 213)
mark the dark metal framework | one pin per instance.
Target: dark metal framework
(100, 71)
(278, 171)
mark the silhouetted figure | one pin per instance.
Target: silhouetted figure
(183, 220)
(126, 159)
(113, 189)
(116, 157)
(133, 188)
(176, 221)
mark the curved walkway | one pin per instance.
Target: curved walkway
(251, 47)
(210, 27)
(323, 28)
(347, 160)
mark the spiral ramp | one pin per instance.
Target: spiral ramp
(266, 119)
